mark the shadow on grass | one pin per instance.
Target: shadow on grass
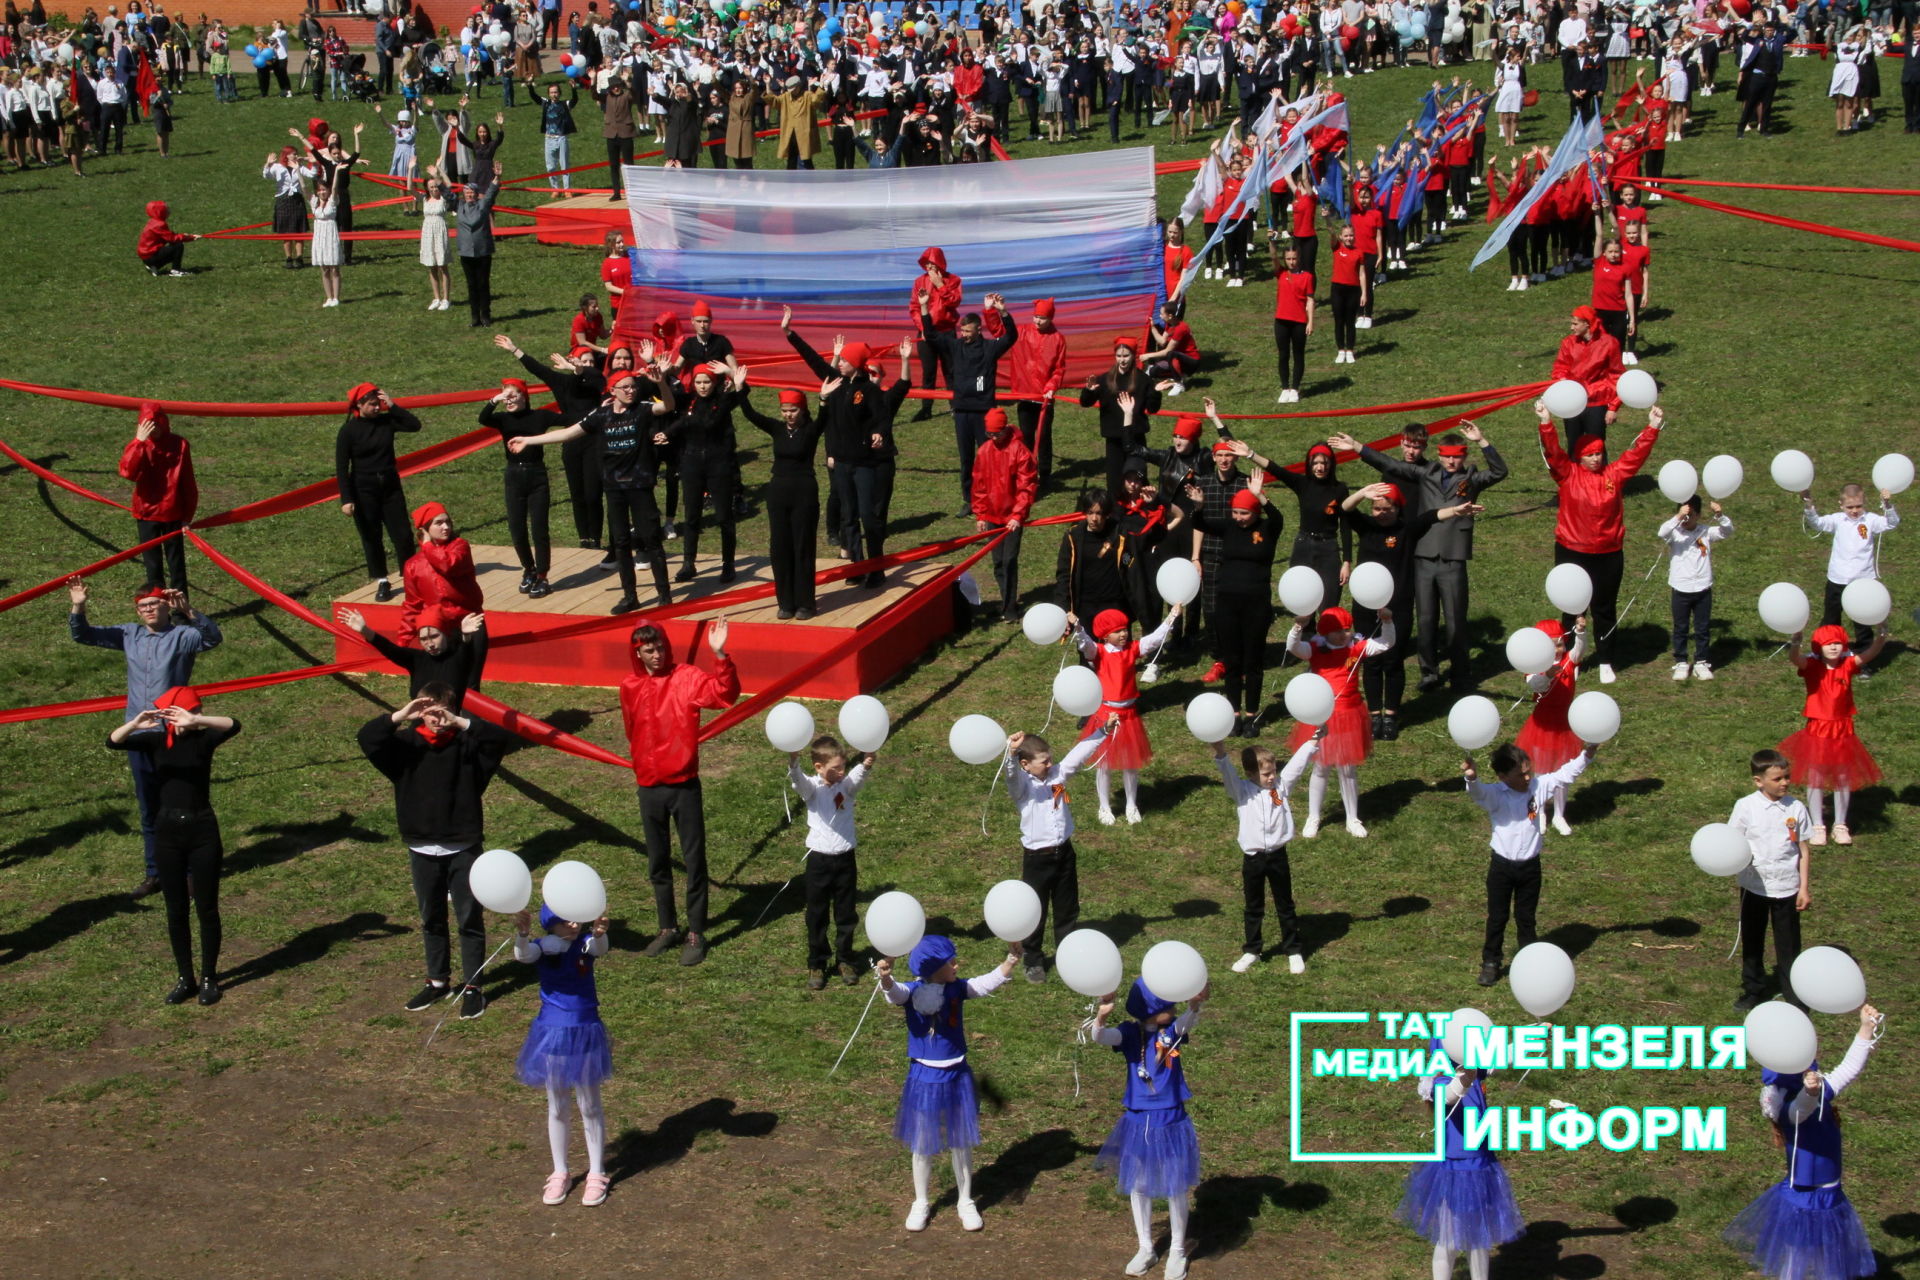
(1012, 1174)
(64, 836)
(1600, 799)
(1577, 936)
(1542, 1250)
(581, 827)
(1903, 1226)
(1323, 928)
(634, 1152)
(1224, 1209)
(1128, 925)
(286, 840)
(66, 921)
(310, 945)
(53, 509)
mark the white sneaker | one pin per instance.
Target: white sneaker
(1627, 357)
(1106, 817)
(1356, 828)
(1364, 322)
(1246, 961)
(1606, 673)
(1655, 198)
(1311, 829)
(1474, 181)
(1175, 389)
(1176, 1265)
(1701, 671)
(330, 302)
(1512, 285)
(969, 1215)
(434, 305)
(1817, 837)
(1133, 816)
(1236, 283)
(1296, 964)
(917, 1215)
(1526, 282)
(1142, 1261)
(1679, 671)
(1560, 825)
(1150, 673)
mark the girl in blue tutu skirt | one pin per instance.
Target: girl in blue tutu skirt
(939, 1110)
(566, 1044)
(1803, 1227)
(1462, 1203)
(1152, 1150)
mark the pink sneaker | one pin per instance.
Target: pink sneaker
(555, 1191)
(595, 1192)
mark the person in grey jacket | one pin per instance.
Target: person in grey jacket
(473, 237)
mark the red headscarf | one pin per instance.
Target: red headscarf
(1588, 314)
(1588, 444)
(856, 354)
(1551, 628)
(1246, 500)
(361, 390)
(1395, 496)
(1043, 308)
(187, 700)
(426, 513)
(794, 397)
(1187, 426)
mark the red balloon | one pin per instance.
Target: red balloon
(1290, 25)
(1742, 7)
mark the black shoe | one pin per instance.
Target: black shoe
(608, 561)
(874, 580)
(472, 1004)
(1380, 726)
(685, 574)
(727, 575)
(661, 942)
(1429, 682)
(785, 615)
(209, 991)
(1390, 728)
(626, 604)
(694, 952)
(964, 513)
(816, 979)
(182, 991)
(925, 413)
(146, 888)
(1489, 973)
(804, 614)
(526, 584)
(589, 544)
(541, 588)
(384, 592)
(427, 997)
(1745, 1001)
(849, 975)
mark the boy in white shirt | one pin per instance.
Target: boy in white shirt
(1047, 861)
(1259, 797)
(832, 877)
(1690, 579)
(1856, 549)
(1516, 806)
(1776, 886)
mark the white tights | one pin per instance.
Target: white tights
(593, 1126)
(1349, 791)
(1817, 805)
(962, 1175)
(1479, 1262)
(1176, 1221)
(1560, 803)
(1103, 783)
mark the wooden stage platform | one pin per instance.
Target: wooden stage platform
(581, 220)
(896, 623)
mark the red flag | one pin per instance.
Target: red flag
(146, 84)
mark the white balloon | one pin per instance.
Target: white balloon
(1178, 582)
(1174, 971)
(789, 727)
(1722, 476)
(1781, 1038)
(1637, 389)
(1013, 911)
(977, 740)
(1077, 690)
(864, 723)
(1473, 722)
(1309, 698)
(895, 923)
(1678, 481)
(1594, 717)
(1783, 607)
(1531, 650)
(1719, 850)
(1565, 398)
(1045, 624)
(1301, 590)
(1209, 718)
(1793, 471)
(1828, 980)
(1089, 963)
(1893, 472)
(500, 881)
(1371, 584)
(1541, 977)
(573, 891)
(1454, 1038)
(1866, 601)
(1570, 588)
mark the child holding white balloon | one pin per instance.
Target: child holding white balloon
(1776, 884)
(832, 876)
(566, 1046)
(1152, 1149)
(1515, 807)
(1115, 657)
(1856, 546)
(1048, 864)
(1690, 581)
(1336, 655)
(1547, 737)
(939, 1110)
(1259, 794)
(1826, 752)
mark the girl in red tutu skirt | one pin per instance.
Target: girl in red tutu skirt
(1827, 755)
(1336, 655)
(1115, 656)
(1546, 737)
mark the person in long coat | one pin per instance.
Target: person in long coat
(799, 140)
(742, 107)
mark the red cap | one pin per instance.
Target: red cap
(1043, 307)
(1335, 619)
(793, 397)
(580, 353)
(1588, 445)
(150, 411)
(1108, 621)
(518, 384)
(435, 616)
(856, 354)
(361, 390)
(701, 308)
(1187, 426)
(625, 375)
(1551, 628)
(425, 513)
(1246, 500)
(996, 420)
(1395, 496)
(1830, 634)
(1131, 344)
(150, 593)
(1453, 451)
(1586, 313)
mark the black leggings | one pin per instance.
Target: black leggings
(1517, 245)
(583, 487)
(1383, 676)
(1237, 238)
(1604, 567)
(619, 152)
(378, 502)
(1539, 247)
(633, 528)
(1346, 310)
(172, 552)
(1290, 339)
(1308, 249)
(528, 498)
(1436, 210)
(702, 475)
(187, 844)
(1240, 631)
(793, 522)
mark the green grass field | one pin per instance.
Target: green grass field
(307, 1106)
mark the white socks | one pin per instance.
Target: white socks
(1560, 804)
(1130, 781)
(1841, 799)
(922, 1177)
(1143, 1220)
(963, 1174)
(1479, 1263)
(1103, 785)
(1350, 790)
(1177, 1224)
(593, 1126)
(1817, 805)
(1316, 793)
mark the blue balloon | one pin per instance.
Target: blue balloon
(833, 26)
(252, 52)
(262, 61)
(574, 72)
(823, 42)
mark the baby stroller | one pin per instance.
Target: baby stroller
(360, 85)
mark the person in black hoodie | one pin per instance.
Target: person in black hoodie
(369, 479)
(1323, 541)
(578, 389)
(450, 655)
(512, 414)
(972, 363)
(1243, 597)
(1100, 566)
(704, 434)
(440, 763)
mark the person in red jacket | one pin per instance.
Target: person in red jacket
(1038, 363)
(159, 245)
(1004, 488)
(439, 575)
(165, 495)
(660, 705)
(968, 79)
(1590, 356)
(942, 293)
(1591, 530)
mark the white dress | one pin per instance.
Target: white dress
(433, 233)
(1846, 71)
(326, 234)
(1678, 81)
(1508, 99)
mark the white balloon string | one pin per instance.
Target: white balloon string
(453, 991)
(1621, 616)
(1056, 675)
(776, 895)
(1736, 940)
(1083, 1032)
(786, 804)
(987, 803)
(1777, 652)
(856, 1030)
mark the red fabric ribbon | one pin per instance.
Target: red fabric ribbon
(329, 490)
(1819, 228)
(54, 478)
(1785, 186)
(54, 584)
(118, 702)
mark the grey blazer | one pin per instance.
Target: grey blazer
(473, 219)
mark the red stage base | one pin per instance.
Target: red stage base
(896, 624)
(581, 220)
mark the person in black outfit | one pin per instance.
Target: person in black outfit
(369, 479)
(179, 743)
(793, 501)
(1100, 566)
(1584, 75)
(1243, 595)
(1760, 68)
(1323, 541)
(972, 365)
(704, 436)
(1124, 430)
(440, 766)
(704, 346)
(578, 389)
(454, 658)
(512, 414)
(630, 432)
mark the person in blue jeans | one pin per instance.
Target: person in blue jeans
(556, 131)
